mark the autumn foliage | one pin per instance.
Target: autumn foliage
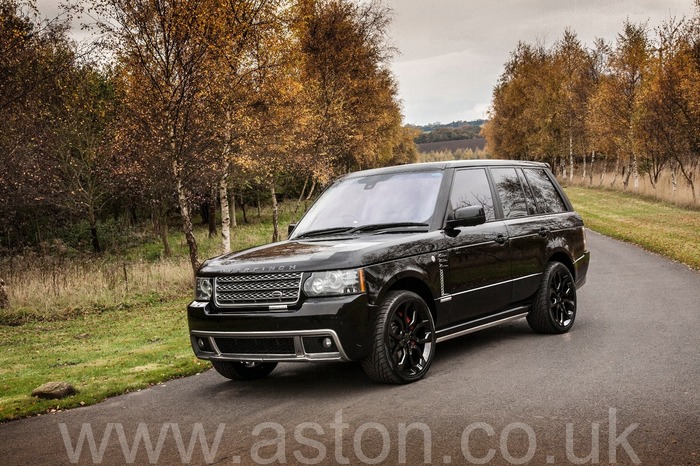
(181, 103)
(632, 105)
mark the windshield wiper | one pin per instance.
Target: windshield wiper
(385, 226)
(324, 231)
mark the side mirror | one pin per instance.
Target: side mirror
(290, 229)
(466, 217)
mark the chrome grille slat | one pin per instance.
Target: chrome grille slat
(252, 286)
(265, 289)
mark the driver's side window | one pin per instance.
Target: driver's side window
(471, 187)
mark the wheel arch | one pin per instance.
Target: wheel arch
(416, 285)
(564, 258)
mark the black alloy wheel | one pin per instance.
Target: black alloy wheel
(403, 342)
(554, 308)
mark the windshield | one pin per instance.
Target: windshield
(395, 198)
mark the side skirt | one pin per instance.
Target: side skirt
(482, 323)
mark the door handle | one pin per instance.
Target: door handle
(500, 239)
(544, 231)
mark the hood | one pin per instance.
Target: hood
(323, 254)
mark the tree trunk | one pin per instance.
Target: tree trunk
(275, 216)
(674, 181)
(603, 171)
(187, 229)
(4, 300)
(617, 170)
(571, 157)
(311, 191)
(163, 231)
(232, 205)
(583, 174)
(225, 213)
(635, 172)
(301, 196)
(212, 211)
(257, 201)
(562, 167)
(626, 174)
(245, 217)
(590, 172)
(93, 231)
(132, 216)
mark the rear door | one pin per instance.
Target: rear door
(527, 230)
(478, 272)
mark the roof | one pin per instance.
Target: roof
(430, 166)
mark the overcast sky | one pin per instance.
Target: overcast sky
(451, 52)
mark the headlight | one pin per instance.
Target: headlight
(335, 282)
(203, 289)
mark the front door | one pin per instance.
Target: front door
(478, 257)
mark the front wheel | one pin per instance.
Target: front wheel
(403, 341)
(554, 308)
(243, 370)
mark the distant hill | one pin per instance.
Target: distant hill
(455, 124)
(438, 132)
(474, 144)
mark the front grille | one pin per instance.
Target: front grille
(264, 289)
(260, 346)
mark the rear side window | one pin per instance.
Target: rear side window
(529, 198)
(548, 199)
(471, 187)
(510, 192)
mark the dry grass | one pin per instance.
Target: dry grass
(457, 154)
(662, 190)
(48, 288)
(45, 287)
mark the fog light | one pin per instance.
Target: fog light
(327, 343)
(201, 344)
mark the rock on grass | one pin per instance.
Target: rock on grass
(54, 390)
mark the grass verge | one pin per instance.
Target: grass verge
(654, 225)
(107, 325)
(101, 355)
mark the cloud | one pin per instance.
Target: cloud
(452, 51)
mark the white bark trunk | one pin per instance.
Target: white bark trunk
(275, 214)
(225, 213)
(674, 181)
(571, 157)
(232, 206)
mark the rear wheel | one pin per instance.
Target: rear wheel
(554, 308)
(243, 370)
(403, 342)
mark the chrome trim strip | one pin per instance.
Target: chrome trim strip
(582, 256)
(300, 353)
(482, 326)
(489, 286)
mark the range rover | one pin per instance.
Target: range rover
(389, 262)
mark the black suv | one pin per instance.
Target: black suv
(389, 262)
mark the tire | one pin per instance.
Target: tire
(236, 370)
(403, 340)
(554, 308)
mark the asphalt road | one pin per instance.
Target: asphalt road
(622, 386)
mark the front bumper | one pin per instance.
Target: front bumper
(294, 335)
